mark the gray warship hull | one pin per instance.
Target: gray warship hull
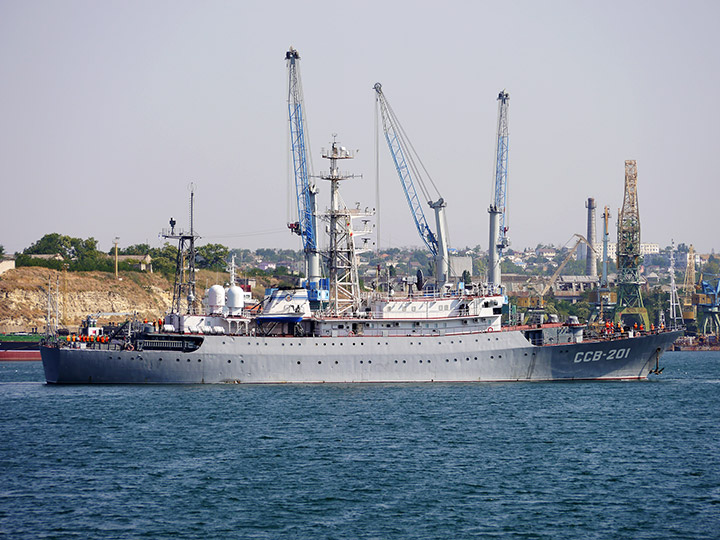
(472, 357)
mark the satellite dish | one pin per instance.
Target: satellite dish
(420, 280)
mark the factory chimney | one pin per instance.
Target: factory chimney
(591, 259)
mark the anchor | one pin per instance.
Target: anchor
(658, 370)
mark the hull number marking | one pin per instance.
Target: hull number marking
(594, 356)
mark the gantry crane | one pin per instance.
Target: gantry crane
(630, 307)
(707, 301)
(411, 170)
(498, 240)
(305, 187)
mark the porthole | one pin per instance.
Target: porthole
(403, 361)
(454, 359)
(199, 360)
(298, 362)
(491, 356)
(447, 359)
(159, 359)
(361, 361)
(319, 362)
(396, 361)
(229, 361)
(421, 361)
(177, 359)
(369, 361)
(188, 359)
(336, 361)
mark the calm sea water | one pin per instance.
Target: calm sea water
(523, 460)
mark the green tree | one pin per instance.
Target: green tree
(2, 251)
(50, 244)
(212, 256)
(712, 266)
(164, 259)
(135, 249)
(479, 266)
(507, 267)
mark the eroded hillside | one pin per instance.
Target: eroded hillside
(24, 296)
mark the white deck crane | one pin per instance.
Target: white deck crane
(498, 208)
(411, 170)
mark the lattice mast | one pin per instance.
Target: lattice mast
(498, 239)
(342, 266)
(689, 310)
(184, 297)
(630, 305)
(305, 189)
(675, 309)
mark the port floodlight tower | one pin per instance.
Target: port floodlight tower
(498, 240)
(305, 188)
(412, 172)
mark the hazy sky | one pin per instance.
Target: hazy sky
(109, 109)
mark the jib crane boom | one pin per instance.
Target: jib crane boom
(498, 209)
(305, 188)
(405, 158)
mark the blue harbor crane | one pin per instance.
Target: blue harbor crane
(410, 170)
(305, 188)
(708, 302)
(498, 208)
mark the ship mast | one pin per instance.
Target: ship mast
(185, 263)
(342, 267)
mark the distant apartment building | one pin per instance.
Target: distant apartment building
(6, 264)
(645, 249)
